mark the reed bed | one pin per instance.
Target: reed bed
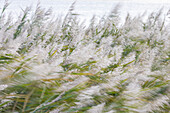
(61, 65)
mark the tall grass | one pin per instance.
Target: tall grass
(61, 65)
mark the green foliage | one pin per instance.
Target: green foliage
(49, 66)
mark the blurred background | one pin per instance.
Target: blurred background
(87, 8)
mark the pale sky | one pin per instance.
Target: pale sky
(150, 1)
(143, 1)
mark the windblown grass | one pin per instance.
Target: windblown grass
(59, 65)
